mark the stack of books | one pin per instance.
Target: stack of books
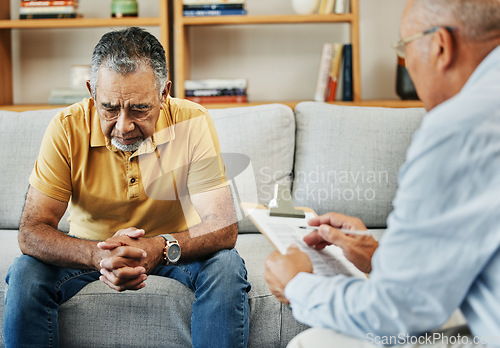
(216, 91)
(36, 9)
(329, 76)
(201, 8)
(333, 6)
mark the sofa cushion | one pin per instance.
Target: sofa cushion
(20, 136)
(265, 135)
(347, 158)
(166, 303)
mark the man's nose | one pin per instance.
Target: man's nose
(124, 123)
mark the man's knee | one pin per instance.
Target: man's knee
(25, 277)
(24, 269)
(228, 267)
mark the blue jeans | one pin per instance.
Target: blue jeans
(36, 290)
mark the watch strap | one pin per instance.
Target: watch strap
(169, 238)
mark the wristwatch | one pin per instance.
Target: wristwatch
(172, 249)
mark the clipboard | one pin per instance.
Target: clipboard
(284, 231)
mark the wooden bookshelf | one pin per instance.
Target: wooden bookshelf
(77, 23)
(7, 25)
(183, 24)
(291, 104)
(181, 52)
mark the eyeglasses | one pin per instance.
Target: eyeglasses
(400, 46)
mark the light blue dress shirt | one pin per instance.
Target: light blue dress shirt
(441, 249)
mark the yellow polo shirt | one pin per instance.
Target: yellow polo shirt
(109, 189)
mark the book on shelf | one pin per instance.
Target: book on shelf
(333, 6)
(204, 13)
(202, 8)
(347, 86)
(213, 7)
(326, 6)
(45, 3)
(341, 6)
(333, 74)
(49, 16)
(335, 66)
(324, 65)
(42, 9)
(47, 10)
(215, 84)
(216, 90)
(219, 99)
(212, 2)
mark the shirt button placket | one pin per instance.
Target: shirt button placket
(132, 175)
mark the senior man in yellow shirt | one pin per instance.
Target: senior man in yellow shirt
(146, 186)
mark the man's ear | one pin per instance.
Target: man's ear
(443, 49)
(89, 88)
(166, 91)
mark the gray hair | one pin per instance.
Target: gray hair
(126, 51)
(475, 18)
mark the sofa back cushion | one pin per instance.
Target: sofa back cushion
(347, 158)
(20, 136)
(257, 144)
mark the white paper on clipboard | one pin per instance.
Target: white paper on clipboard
(283, 231)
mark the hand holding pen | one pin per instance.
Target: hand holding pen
(348, 233)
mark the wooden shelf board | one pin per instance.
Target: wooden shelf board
(77, 23)
(29, 107)
(291, 104)
(267, 19)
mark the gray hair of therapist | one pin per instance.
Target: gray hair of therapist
(475, 20)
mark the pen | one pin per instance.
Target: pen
(343, 230)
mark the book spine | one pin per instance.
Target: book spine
(49, 3)
(214, 92)
(204, 13)
(47, 10)
(324, 65)
(219, 99)
(341, 6)
(329, 6)
(215, 84)
(212, 2)
(213, 7)
(334, 72)
(47, 16)
(322, 7)
(347, 91)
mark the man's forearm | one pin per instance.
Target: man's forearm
(51, 246)
(39, 237)
(208, 240)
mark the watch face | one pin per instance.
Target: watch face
(174, 252)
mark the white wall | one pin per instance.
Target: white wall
(280, 61)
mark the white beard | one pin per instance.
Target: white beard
(128, 148)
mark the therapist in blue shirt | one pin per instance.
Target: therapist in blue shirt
(441, 249)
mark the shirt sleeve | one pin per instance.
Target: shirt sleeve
(51, 174)
(441, 235)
